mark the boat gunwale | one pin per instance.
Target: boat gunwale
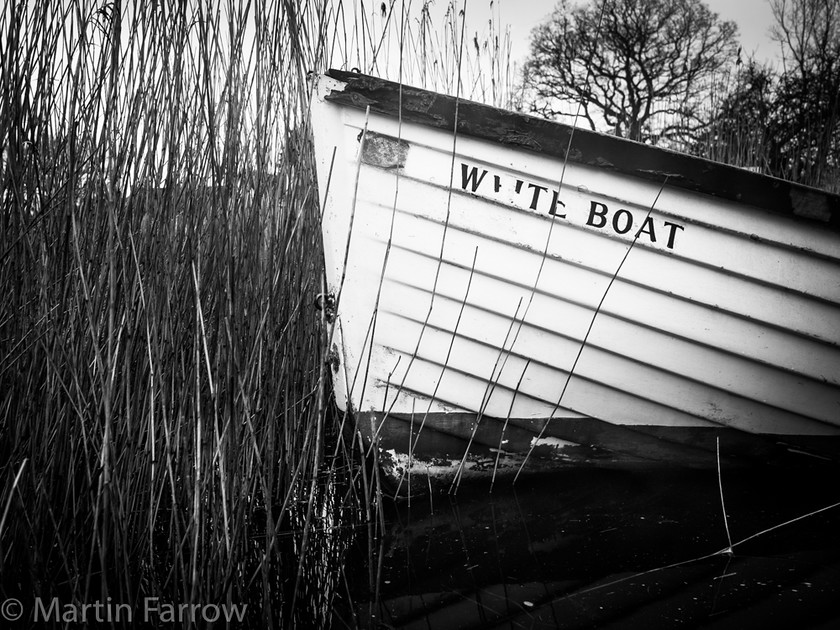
(589, 148)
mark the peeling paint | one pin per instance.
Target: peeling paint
(384, 151)
(552, 442)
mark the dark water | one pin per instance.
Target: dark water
(606, 549)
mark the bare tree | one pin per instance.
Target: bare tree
(642, 67)
(809, 33)
(808, 96)
(788, 123)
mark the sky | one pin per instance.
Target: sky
(753, 17)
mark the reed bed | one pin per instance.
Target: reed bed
(162, 388)
(166, 427)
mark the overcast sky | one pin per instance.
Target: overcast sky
(753, 18)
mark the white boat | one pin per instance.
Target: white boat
(514, 294)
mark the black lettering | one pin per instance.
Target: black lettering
(673, 233)
(536, 197)
(627, 224)
(554, 203)
(647, 228)
(593, 212)
(497, 183)
(470, 178)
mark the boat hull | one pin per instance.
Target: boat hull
(487, 282)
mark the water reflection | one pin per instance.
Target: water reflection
(609, 549)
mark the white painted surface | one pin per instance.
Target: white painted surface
(445, 295)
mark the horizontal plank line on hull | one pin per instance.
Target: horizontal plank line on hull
(699, 421)
(636, 245)
(816, 359)
(445, 189)
(603, 313)
(728, 312)
(400, 388)
(460, 409)
(563, 374)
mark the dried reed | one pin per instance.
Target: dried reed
(164, 405)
